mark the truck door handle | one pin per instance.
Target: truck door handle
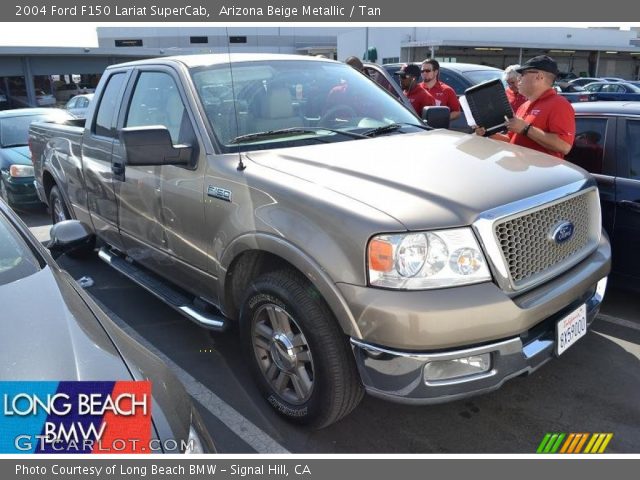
(630, 205)
(117, 168)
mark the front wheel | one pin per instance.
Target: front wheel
(298, 354)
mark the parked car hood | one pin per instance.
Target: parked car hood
(48, 333)
(424, 180)
(16, 155)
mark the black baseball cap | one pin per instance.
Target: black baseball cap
(541, 62)
(409, 70)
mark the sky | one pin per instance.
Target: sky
(48, 34)
(75, 34)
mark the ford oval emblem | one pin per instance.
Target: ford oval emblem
(562, 233)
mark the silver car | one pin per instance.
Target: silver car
(65, 336)
(79, 105)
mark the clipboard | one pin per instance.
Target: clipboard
(486, 105)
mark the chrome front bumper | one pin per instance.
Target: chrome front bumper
(399, 376)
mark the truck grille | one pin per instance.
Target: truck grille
(526, 240)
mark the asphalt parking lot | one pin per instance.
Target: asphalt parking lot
(593, 387)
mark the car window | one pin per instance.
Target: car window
(612, 88)
(593, 87)
(156, 101)
(381, 80)
(479, 76)
(82, 102)
(16, 259)
(454, 82)
(71, 103)
(14, 131)
(633, 148)
(588, 148)
(108, 104)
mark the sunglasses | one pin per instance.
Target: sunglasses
(426, 71)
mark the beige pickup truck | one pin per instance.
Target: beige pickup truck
(357, 249)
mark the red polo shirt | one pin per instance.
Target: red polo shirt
(419, 98)
(515, 99)
(444, 95)
(551, 113)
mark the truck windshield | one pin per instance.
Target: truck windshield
(309, 100)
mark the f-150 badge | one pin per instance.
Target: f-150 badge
(218, 192)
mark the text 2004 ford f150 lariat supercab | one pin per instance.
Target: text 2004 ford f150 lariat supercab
(356, 248)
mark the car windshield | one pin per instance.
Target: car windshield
(286, 103)
(16, 259)
(479, 76)
(14, 131)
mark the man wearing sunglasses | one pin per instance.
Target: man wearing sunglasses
(546, 121)
(442, 93)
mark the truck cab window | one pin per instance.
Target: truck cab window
(156, 101)
(108, 103)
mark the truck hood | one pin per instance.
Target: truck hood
(49, 333)
(425, 180)
(16, 156)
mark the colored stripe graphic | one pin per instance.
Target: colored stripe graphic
(574, 443)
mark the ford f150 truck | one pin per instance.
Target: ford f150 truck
(357, 249)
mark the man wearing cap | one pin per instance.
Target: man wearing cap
(417, 95)
(546, 121)
(442, 93)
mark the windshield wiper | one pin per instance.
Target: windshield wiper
(392, 127)
(290, 131)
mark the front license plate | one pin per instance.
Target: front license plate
(571, 328)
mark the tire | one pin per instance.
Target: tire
(298, 354)
(57, 207)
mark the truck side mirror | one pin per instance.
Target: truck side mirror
(72, 237)
(436, 117)
(152, 145)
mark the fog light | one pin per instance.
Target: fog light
(600, 289)
(457, 367)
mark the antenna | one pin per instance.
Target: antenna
(241, 165)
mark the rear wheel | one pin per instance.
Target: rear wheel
(298, 354)
(57, 207)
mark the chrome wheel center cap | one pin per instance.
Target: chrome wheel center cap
(283, 353)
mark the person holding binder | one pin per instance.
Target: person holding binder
(442, 93)
(546, 121)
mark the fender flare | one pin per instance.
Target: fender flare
(259, 241)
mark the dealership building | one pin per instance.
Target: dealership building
(27, 71)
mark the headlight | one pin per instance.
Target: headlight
(416, 261)
(20, 171)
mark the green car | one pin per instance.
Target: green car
(16, 168)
